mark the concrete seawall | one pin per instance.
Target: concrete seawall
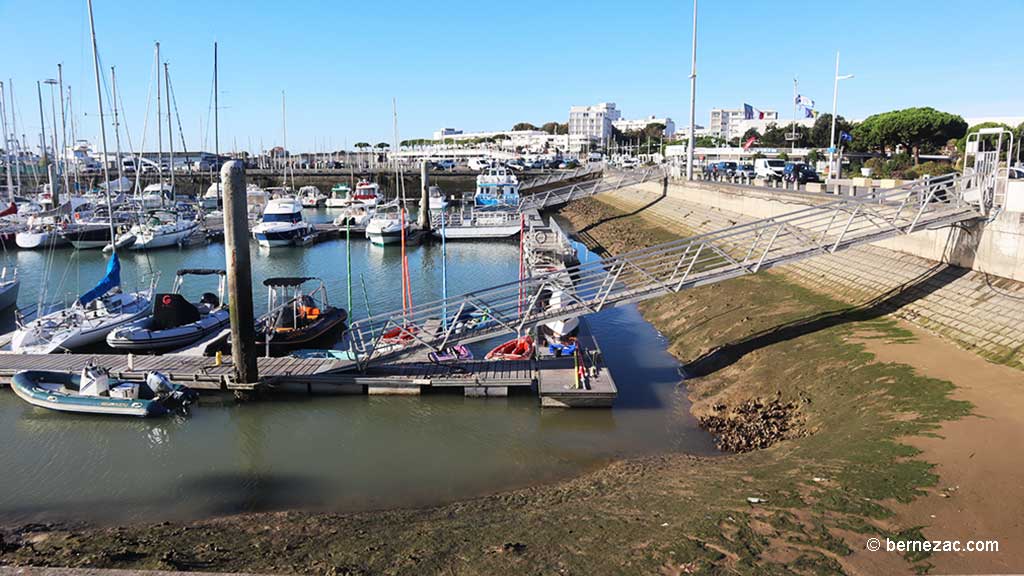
(964, 284)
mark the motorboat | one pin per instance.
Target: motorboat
(436, 200)
(162, 228)
(256, 200)
(176, 322)
(497, 186)
(96, 233)
(93, 391)
(42, 232)
(282, 223)
(339, 197)
(387, 225)
(557, 294)
(311, 197)
(157, 195)
(368, 193)
(212, 197)
(88, 321)
(516, 349)
(356, 216)
(477, 223)
(298, 318)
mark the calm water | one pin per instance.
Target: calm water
(329, 453)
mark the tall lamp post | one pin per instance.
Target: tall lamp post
(833, 171)
(693, 99)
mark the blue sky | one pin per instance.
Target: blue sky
(488, 65)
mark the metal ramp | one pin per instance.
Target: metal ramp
(609, 181)
(671, 267)
(562, 176)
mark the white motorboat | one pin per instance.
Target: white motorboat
(42, 232)
(368, 193)
(356, 216)
(162, 228)
(386, 225)
(176, 322)
(497, 186)
(559, 294)
(436, 199)
(339, 197)
(211, 199)
(282, 223)
(9, 285)
(88, 320)
(311, 197)
(477, 223)
(157, 195)
(256, 200)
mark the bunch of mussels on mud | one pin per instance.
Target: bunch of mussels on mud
(753, 424)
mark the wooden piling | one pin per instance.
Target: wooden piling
(424, 197)
(239, 273)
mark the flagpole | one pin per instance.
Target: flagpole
(833, 171)
(693, 99)
(796, 102)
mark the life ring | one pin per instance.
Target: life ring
(540, 236)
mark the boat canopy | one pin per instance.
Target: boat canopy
(109, 281)
(287, 280)
(200, 271)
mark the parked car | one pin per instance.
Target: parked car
(569, 164)
(745, 171)
(800, 173)
(629, 162)
(769, 168)
(444, 164)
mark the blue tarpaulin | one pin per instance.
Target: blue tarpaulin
(112, 279)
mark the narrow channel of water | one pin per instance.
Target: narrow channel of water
(329, 453)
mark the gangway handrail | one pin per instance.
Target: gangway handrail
(697, 260)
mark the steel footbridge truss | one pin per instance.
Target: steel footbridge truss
(607, 182)
(749, 248)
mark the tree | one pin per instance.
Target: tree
(915, 129)
(563, 128)
(524, 126)
(383, 145)
(751, 133)
(821, 132)
(362, 145)
(653, 131)
(550, 127)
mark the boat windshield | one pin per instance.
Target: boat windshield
(292, 218)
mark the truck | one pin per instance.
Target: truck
(769, 168)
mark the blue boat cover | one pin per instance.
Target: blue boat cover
(112, 279)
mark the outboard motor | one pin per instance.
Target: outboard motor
(158, 383)
(210, 299)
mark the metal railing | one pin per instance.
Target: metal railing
(562, 175)
(666, 268)
(609, 181)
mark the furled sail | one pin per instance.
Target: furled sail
(112, 279)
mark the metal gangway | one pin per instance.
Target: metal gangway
(562, 175)
(731, 252)
(608, 182)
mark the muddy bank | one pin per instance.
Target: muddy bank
(804, 505)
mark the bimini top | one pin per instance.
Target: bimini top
(287, 280)
(201, 271)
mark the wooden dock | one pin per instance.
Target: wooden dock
(559, 385)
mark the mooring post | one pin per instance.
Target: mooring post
(239, 272)
(424, 197)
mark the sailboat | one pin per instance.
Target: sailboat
(88, 321)
(212, 198)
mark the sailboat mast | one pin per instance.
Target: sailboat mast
(14, 134)
(216, 118)
(159, 129)
(103, 128)
(42, 137)
(63, 131)
(117, 127)
(170, 133)
(7, 142)
(284, 136)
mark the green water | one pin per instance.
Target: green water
(328, 453)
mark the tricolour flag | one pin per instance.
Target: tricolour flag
(748, 112)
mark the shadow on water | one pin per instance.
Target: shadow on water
(237, 492)
(926, 283)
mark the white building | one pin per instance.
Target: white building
(623, 125)
(726, 124)
(591, 125)
(683, 132)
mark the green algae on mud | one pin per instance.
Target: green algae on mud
(756, 336)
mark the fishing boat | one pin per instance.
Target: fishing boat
(88, 321)
(311, 197)
(176, 322)
(387, 225)
(93, 391)
(515, 349)
(497, 186)
(163, 228)
(282, 223)
(368, 193)
(298, 318)
(339, 197)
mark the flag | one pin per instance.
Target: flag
(760, 115)
(748, 112)
(750, 141)
(802, 100)
(808, 113)
(845, 136)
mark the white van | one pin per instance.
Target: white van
(769, 168)
(479, 164)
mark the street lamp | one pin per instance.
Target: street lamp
(693, 98)
(833, 171)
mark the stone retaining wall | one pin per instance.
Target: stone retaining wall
(977, 310)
